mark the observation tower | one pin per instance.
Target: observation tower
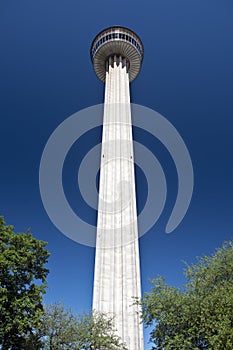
(117, 54)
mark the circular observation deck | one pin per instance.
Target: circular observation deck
(117, 41)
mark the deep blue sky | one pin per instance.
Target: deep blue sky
(187, 76)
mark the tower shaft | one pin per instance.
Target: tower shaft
(117, 268)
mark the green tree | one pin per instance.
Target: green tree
(22, 284)
(62, 330)
(96, 332)
(198, 316)
(59, 328)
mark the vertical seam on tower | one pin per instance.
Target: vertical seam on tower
(114, 189)
(106, 137)
(120, 134)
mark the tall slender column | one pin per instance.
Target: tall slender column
(117, 268)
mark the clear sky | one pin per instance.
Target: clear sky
(187, 76)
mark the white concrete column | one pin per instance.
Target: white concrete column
(117, 267)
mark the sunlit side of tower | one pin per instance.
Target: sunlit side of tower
(117, 53)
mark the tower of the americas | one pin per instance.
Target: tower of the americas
(117, 54)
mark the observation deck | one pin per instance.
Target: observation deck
(120, 42)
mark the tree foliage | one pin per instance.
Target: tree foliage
(22, 284)
(97, 332)
(59, 328)
(62, 330)
(198, 316)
